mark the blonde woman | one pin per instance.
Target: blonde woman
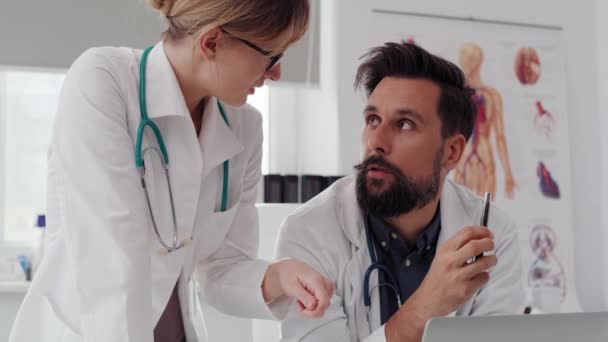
(153, 173)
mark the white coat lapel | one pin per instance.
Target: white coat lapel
(456, 214)
(218, 142)
(351, 221)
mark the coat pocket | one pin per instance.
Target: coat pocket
(213, 233)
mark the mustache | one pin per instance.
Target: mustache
(381, 162)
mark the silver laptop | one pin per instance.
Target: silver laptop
(571, 327)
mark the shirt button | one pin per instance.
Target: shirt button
(408, 263)
(394, 236)
(428, 248)
(383, 244)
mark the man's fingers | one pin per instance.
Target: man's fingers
(473, 248)
(480, 280)
(467, 234)
(479, 266)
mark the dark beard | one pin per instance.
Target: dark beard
(403, 196)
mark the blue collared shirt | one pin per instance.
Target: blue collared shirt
(409, 263)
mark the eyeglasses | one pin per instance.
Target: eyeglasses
(274, 60)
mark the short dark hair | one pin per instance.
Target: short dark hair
(457, 109)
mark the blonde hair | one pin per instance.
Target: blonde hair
(257, 20)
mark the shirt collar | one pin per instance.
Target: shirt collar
(163, 93)
(388, 237)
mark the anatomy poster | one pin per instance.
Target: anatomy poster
(519, 151)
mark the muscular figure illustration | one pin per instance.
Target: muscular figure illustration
(527, 66)
(477, 169)
(546, 270)
(543, 120)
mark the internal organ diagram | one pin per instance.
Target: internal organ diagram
(409, 40)
(544, 121)
(548, 186)
(477, 169)
(546, 270)
(527, 66)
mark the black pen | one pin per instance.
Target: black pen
(484, 215)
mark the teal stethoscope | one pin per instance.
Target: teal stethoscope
(162, 154)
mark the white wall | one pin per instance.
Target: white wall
(303, 119)
(9, 304)
(598, 247)
(344, 39)
(53, 33)
(303, 128)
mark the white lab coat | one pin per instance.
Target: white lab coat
(102, 277)
(328, 233)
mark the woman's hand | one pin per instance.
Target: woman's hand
(293, 278)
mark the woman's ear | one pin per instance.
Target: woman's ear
(209, 42)
(453, 149)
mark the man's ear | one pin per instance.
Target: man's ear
(209, 42)
(453, 149)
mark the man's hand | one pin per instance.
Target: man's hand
(450, 282)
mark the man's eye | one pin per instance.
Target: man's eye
(372, 120)
(406, 125)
